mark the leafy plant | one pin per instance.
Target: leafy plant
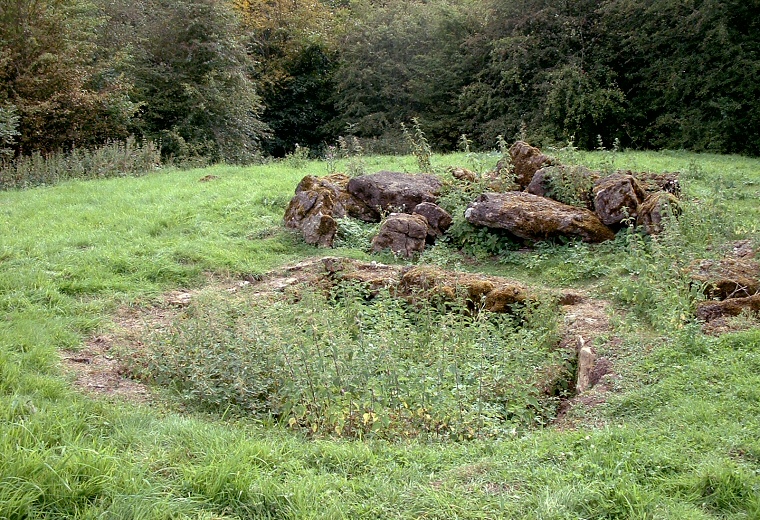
(418, 145)
(114, 159)
(571, 185)
(609, 156)
(352, 150)
(355, 234)
(342, 365)
(9, 120)
(298, 158)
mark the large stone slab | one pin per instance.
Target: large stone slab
(536, 218)
(387, 191)
(318, 201)
(727, 278)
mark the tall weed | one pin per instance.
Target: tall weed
(418, 145)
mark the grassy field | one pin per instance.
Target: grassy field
(677, 434)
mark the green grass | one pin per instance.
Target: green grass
(676, 438)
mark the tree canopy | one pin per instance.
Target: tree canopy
(233, 79)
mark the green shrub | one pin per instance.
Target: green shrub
(343, 365)
(570, 185)
(479, 242)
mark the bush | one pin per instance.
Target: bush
(348, 366)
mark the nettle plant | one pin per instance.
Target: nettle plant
(418, 145)
(354, 364)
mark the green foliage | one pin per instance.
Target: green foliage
(479, 242)
(353, 152)
(418, 145)
(192, 80)
(349, 367)
(66, 93)
(116, 159)
(570, 184)
(676, 437)
(355, 234)
(401, 60)
(298, 101)
(298, 158)
(8, 129)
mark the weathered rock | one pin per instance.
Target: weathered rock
(438, 219)
(312, 195)
(540, 185)
(346, 204)
(616, 198)
(586, 363)
(531, 217)
(711, 310)
(743, 249)
(463, 174)
(654, 208)
(319, 230)
(727, 278)
(403, 234)
(490, 293)
(654, 182)
(312, 210)
(526, 161)
(318, 201)
(373, 275)
(394, 191)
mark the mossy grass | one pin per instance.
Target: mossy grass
(675, 437)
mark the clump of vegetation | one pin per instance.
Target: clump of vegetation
(342, 365)
(570, 184)
(298, 158)
(115, 159)
(353, 152)
(355, 234)
(9, 120)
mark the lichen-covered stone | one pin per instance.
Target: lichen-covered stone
(616, 198)
(403, 234)
(711, 310)
(526, 161)
(531, 217)
(727, 278)
(653, 182)
(438, 219)
(318, 201)
(654, 209)
(482, 292)
(463, 174)
(394, 191)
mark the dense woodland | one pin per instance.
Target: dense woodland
(234, 80)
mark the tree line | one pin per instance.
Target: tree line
(234, 80)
